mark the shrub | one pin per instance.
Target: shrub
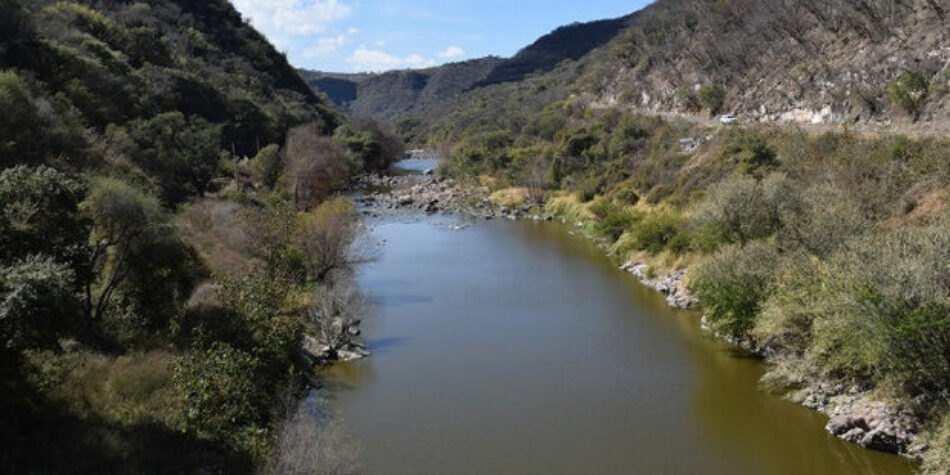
(267, 166)
(221, 395)
(744, 209)
(657, 231)
(18, 123)
(908, 92)
(824, 222)
(733, 284)
(612, 219)
(712, 96)
(885, 312)
(750, 151)
(589, 189)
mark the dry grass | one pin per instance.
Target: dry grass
(216, 229)
(128, 390)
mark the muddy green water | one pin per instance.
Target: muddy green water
(516, 347)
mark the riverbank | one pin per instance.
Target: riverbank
(856, 413)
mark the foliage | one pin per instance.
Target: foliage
(38, 304)
(267, 166)
(750, 151)
(712, 97)
(315, 165)
(612, 219)
(661, 230)
(732, 284)
(376, 145)
(39, 213)
(181, 152)
(19, 121)
(222, 400)
(744, 209)
(908, 92)
(330, 238)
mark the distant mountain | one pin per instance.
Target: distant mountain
(396, 93)
(570, 42)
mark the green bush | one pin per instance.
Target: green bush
(733, 284)
(19, 122)
(908, 92)
(659, 231)
(612, 219)
(750, 151)
(267, 166)
(589, 189)
(712, 97)
(744, 209)
(222, 397)
(825, 220)
(885, 310)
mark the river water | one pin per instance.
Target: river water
(517, 347)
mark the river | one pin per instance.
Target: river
(517, 347)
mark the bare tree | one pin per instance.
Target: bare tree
(336, 312)
(314, 163)
(313, 442)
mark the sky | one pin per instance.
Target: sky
(381, 35)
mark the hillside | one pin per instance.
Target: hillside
(390, 95)
(164, 185)
(809, 62)
(395, 94)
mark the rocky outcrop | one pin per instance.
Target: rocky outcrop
(672, 285)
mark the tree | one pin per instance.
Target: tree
(19, 122)
(376, 145)
(39, 213)
(908, 91)
(733, 284)
(744, 209)
(266, 166)
(332, 240)
(37, 303)
(126, 222)
(712, 96)
(182, 152)
(314, 163)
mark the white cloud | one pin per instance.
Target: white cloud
(353, 31)
(380, 43)
(325, 47)
(365, 59)
(452, 52)
(277, 18)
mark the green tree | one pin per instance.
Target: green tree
(267, 166)
(38, 303)
(909, 92)
(126, 223)
(20, 122)
(181, 152)
(39, 213)
(712, 97)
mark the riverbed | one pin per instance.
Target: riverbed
(518, 347)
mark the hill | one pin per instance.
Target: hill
(808, 62)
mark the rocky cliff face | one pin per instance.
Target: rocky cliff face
(812, 61)
(804, 61)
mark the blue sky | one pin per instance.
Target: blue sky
(379, 35)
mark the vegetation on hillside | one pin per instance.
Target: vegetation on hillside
(825, 251)
(167, 230)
